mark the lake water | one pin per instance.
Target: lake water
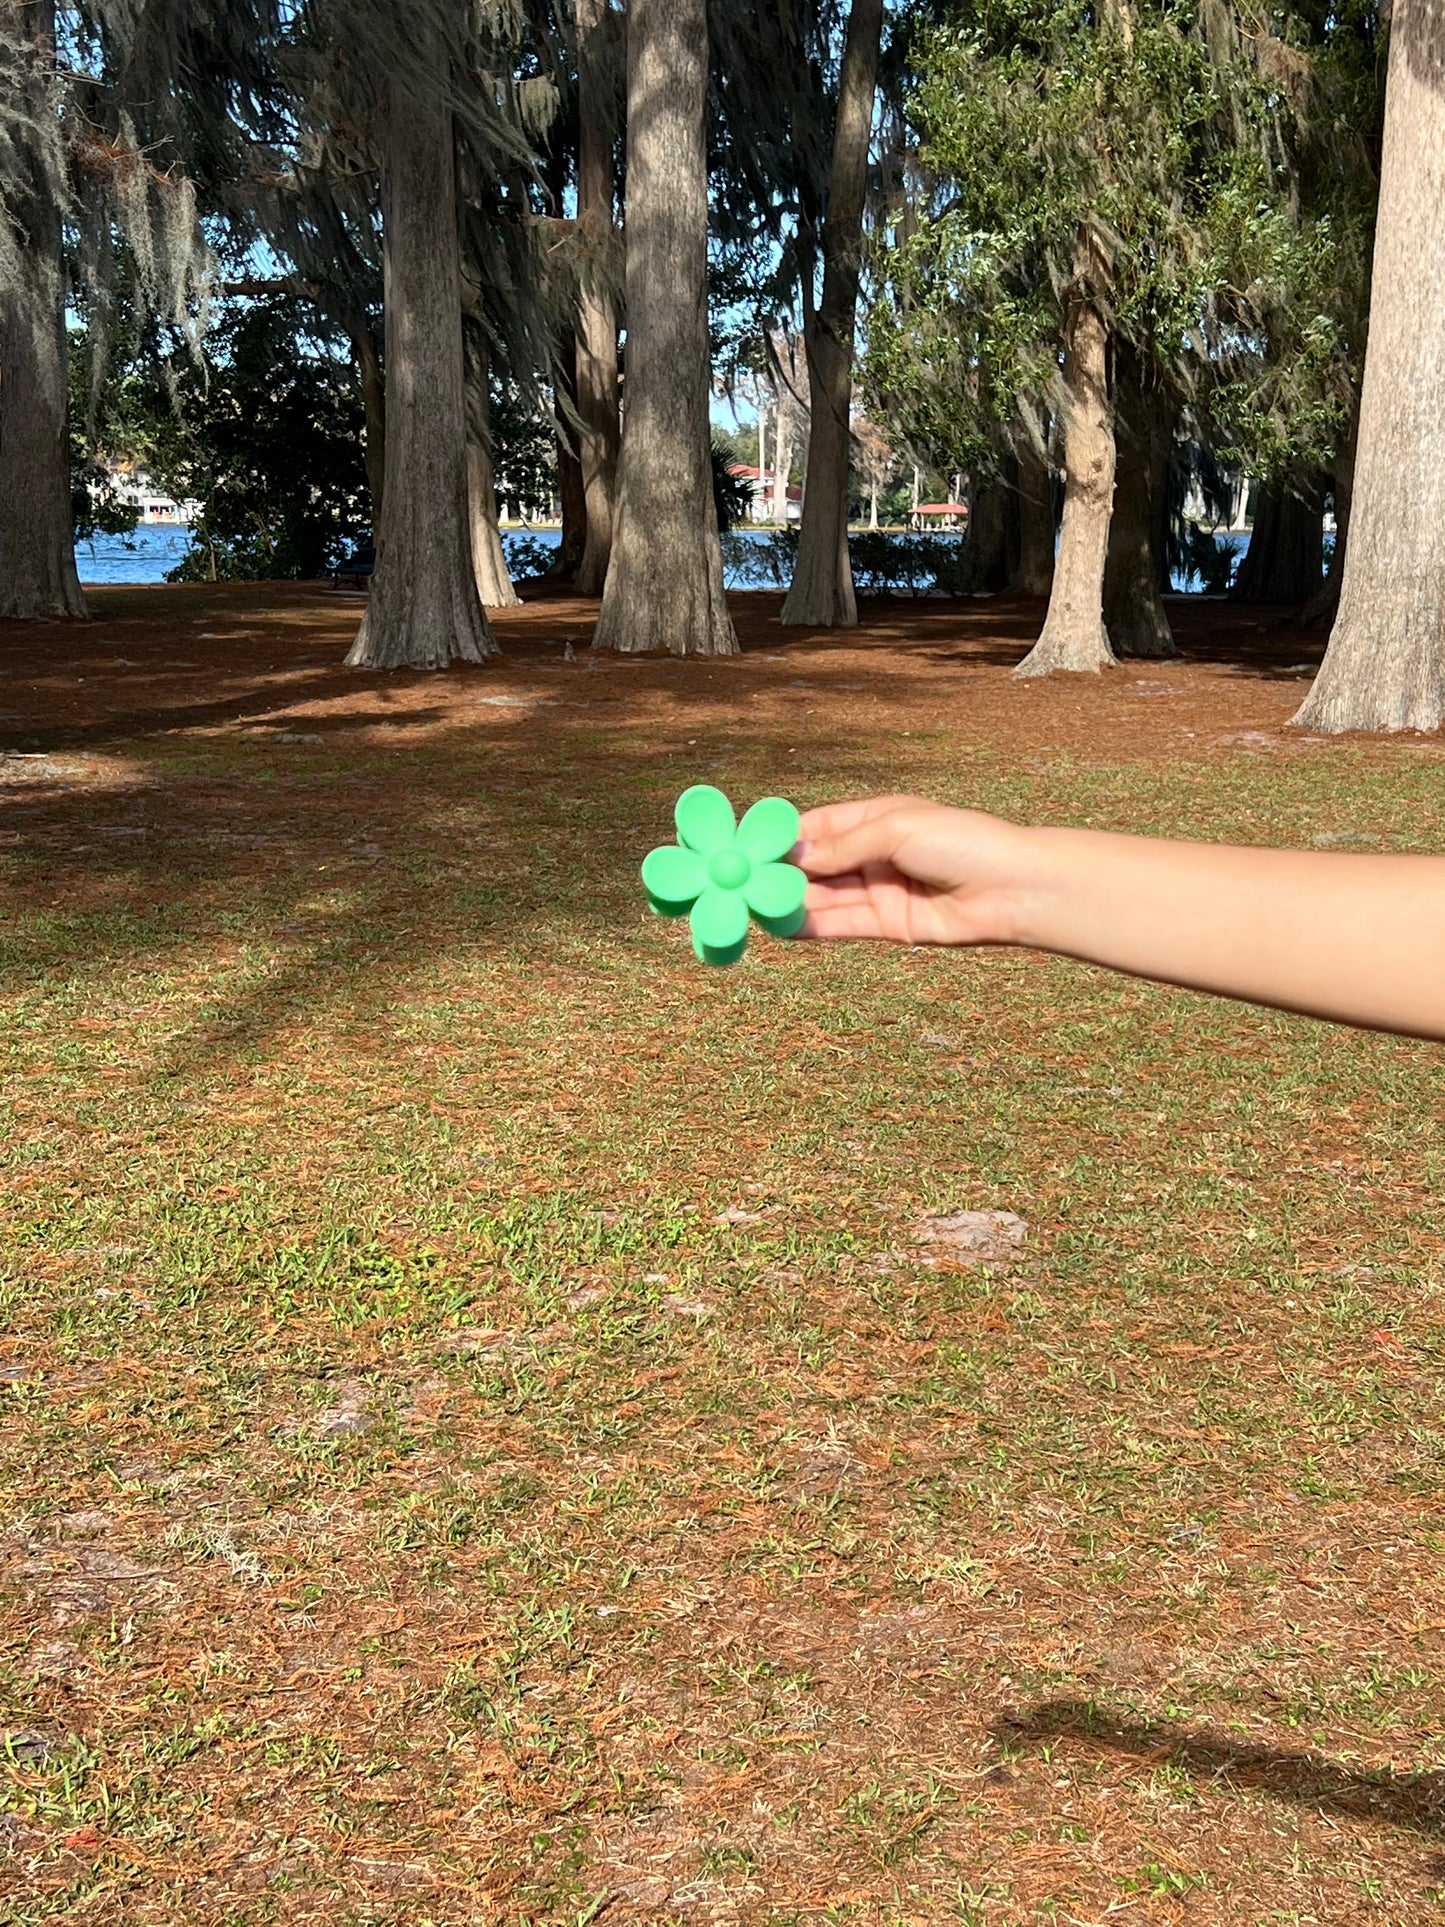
(149, 553)
(146, 555)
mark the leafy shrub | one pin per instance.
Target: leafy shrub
(760, 561)
(1198, 557)
(884, 562)
(528, 556)
(732, 495)
(914, 564)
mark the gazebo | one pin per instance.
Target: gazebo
(938, 515)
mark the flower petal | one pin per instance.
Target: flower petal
(787, 926)
(719, 959)
(769, 830)
(674, 876)
(705, 819)
(775, 889)
(719, 919)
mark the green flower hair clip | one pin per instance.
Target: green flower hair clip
(720, 870)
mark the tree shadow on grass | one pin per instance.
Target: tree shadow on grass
(524, 848)
(1384, 1794)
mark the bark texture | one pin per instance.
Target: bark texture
(1033, 572)
(596, 359)
(489, 560)
(373, 404)
(572, 500)
(1074, 636)
(988, 552)
(37, 531)
(1385, 666)
(423, 611)
(664, 585)
(821, 593)
(782, 463)
(1285, 559)
(1134, 613)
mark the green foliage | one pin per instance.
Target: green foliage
(732, 495)
(885, 562)
(110, 414)
(267, 436)
(1175, 139)
(738, 444)
(524, 451)
(1199, 560)
(760, 561)
(527, 557)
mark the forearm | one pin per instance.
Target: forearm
(1357, 938)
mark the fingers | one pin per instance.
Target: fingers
(833, 818)
(848, 906)
(836, 892)
(835, 923)
(832, 852)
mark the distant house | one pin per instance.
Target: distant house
(152, 505)
(760, 481)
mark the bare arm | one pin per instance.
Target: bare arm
(1360, 939)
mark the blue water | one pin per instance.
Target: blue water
(148, 554)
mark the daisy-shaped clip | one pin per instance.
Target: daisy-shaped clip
(720, 870)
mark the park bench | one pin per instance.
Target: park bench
(356, 568)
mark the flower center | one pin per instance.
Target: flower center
(729, 869)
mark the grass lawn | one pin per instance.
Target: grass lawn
(483, 1435)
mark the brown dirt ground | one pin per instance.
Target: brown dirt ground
(229, 658)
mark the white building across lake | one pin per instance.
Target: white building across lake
(153, 507)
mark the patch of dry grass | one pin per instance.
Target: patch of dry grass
(483, 1439)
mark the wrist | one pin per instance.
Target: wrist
(1046, 869)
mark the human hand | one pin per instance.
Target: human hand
(904, 870)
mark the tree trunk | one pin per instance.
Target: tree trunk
(1133, 608)
(37, 529)
(1034, 571)
(489, 561)
(1263, 539)
(1285, 560)
(1074, 636)
(596, 367)
(373, 403)
(572, 500)
(423, 611)
(987, 555)
(665, 582)
(1385, 666)
(1322, 605)
(782, 463)
(821, 593)
(872, 505)
(1161, 470)
(561, 573)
